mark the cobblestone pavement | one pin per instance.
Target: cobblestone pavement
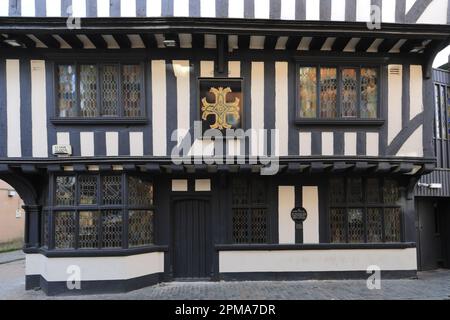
(429, 285)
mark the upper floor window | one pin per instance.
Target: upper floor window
(326, 92)
(100, 90)
(442, 111)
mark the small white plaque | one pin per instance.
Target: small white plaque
(62, 150)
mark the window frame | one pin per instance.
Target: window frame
(98, 118)
(53, 209)
(364, 205)
(250, 206)
(339, 120)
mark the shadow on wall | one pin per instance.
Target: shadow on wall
(12, 218)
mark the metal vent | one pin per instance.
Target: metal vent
(394, 70)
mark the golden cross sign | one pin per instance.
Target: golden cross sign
(221, 108)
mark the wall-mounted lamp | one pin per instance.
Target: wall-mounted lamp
(430, 185)
(11, 193)
(168, 43)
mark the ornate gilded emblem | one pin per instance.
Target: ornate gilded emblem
(221, 108)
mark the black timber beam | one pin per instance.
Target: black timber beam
(72, 40)
(98, 41)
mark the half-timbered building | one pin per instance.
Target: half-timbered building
(154, 140)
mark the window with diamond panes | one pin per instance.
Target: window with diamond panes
(364, 210)
(90, 213)
(100, 90)
(337, 92)
(249, 211)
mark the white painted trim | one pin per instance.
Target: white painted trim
(14, 144)
(435, 13)
(388, 11)
(287, 10)
(207, 8)
(338, 10)
(262, 9)
(154, 8)
(78, 8)
(159, 111)
(257, 107)
(28, 8)
(112, 144)
(305, 143)
(136, 144)
(257, 42)
(350, 143)
(63, 138)
(281, 107)
(415, 91)
(206, 69)
(4, 8)
(87, 144)
(327, 143)
(372, 142)
(310, 198)
(95, 268)
(53, 8)
(286, 226)
(394, 102)
(234, 69)
(202, 185)
(103, 8)
(312, 10)
(363, 10)
(128, 8)
(181, 69)
(179, 185)
(180, 8)
(413, 147)
(39, 109)
(236, 8)
(317, 260)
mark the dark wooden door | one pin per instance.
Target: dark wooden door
(192, 243)
(429, 237)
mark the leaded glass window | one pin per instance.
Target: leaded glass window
(349, 93)
(44, 228)
(88, 236)
(110, 90)
(92, 211)
(88, 90)
(140, 227)
(328, 92)
(249, 211)
(112, 190)
(88, 189)
(140, 192)
(364, 210)
(131, 90)
(67, 90)
(308, 92)
(65, 190)
(64, 229)
(369, 92)
(112, 228)
(100, 90)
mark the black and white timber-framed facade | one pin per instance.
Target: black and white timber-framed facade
(352, 106)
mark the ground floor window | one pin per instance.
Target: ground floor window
(96, 211)
(249, 211)
(364, 210)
